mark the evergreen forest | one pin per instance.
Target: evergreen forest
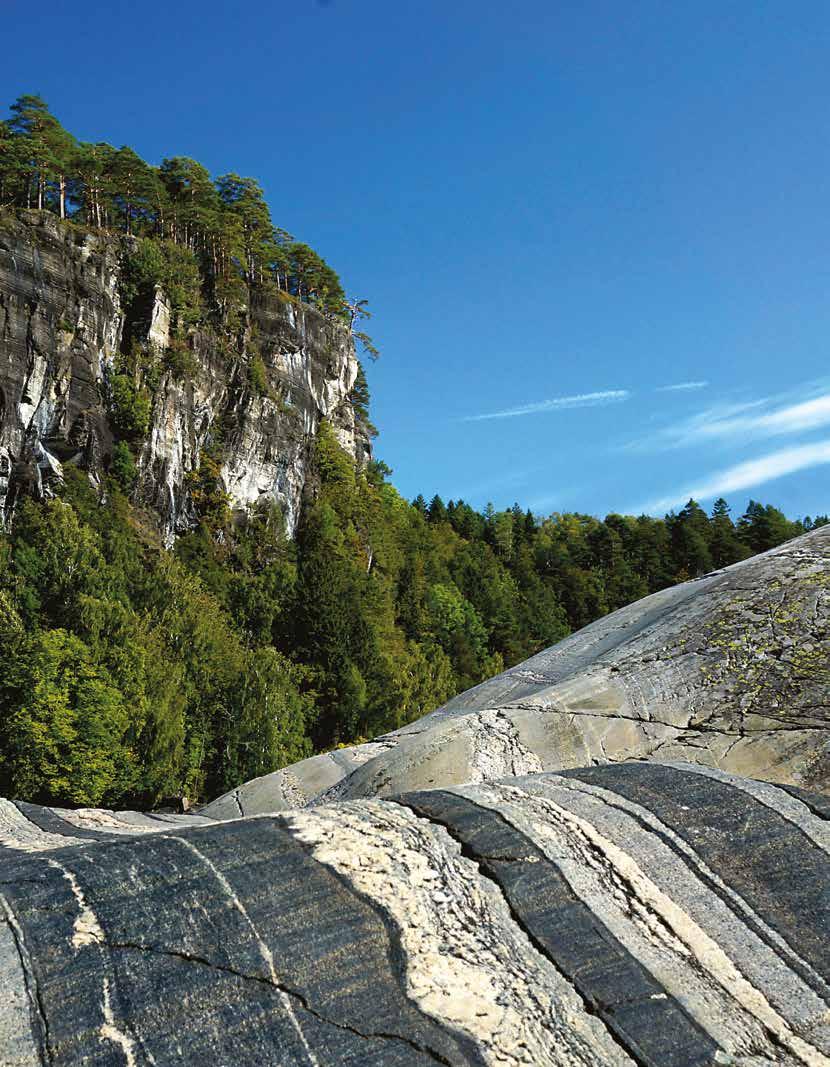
(132, 675)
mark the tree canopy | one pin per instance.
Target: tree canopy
(225, 222)
(130, 674)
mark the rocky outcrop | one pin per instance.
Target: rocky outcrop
(631, 910)
(62, 320)
(731, 671)
(60, 328)
(662, 915)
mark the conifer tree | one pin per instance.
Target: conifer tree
(690, 541)
(44, 150)
(726, 546)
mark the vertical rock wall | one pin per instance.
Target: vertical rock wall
(62, 322)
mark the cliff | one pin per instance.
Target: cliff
(65, 318)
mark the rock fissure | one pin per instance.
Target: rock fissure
(39, 1015)
(280, 987)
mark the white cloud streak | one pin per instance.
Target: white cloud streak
(771, 417)
(557, 403)
(681, 387)
(794, 418)
(746, 475)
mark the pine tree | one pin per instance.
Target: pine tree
(764, 527)
(89, 185)
(132, 185)
(436, 511)
(44, 151)
(690, 534)
(245, 198)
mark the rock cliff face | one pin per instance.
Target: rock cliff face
(62, 321)
(731, 671)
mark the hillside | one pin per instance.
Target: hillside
(295, 771)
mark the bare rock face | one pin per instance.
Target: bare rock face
(62, 321)
(651, 914)
(60, 328)
(731, 671)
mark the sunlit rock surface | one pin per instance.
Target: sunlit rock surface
(63, 322)
(730, 671)
(642, 913)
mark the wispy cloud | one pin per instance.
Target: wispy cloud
(754, 420)
(792, 418)
(557, 403)
(681, 387)
(746, 475)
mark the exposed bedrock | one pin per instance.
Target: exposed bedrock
(730, 671)
(62, 327)
(661, 915)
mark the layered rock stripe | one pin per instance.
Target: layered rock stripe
(655, 914)
(730, 671)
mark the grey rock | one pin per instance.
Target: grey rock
(655, 914)
(584, 884)
(730, 671)
(62, 319)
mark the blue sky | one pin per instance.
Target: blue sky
(602, 225)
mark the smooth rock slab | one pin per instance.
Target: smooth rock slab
(731, 671)
(653, 914)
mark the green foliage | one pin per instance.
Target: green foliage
(210, 499)
(143, 269)
(131, 407)
(762, 527)
(359, 399)
(179, 359)
(123, 467)
(65, 725)
(334, 466)
(181, 281)
(195, 237)
(149, 263)
(258, 376)
(123, 677)
(38, 156)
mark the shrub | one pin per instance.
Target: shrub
(123, 466)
